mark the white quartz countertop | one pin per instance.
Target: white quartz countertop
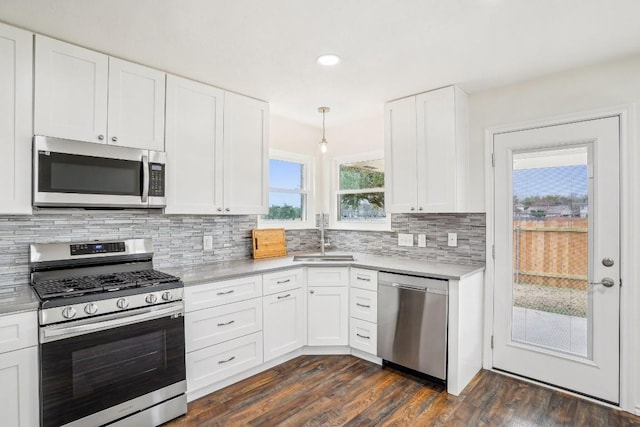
(17, 298)
(203, 273)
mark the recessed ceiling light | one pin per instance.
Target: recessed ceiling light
(328, 59)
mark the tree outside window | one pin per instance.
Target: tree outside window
(361, 191)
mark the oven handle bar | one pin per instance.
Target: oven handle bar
(58, 332)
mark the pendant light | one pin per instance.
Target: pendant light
(323, 144)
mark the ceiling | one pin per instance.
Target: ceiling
(389, 48)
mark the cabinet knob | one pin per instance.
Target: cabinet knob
(219, 209)
(311, 291)
(412, 208)
(114, 139)
(227, 209)
(420, 208)
(101, 137)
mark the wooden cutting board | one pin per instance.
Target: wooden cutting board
(268, 243)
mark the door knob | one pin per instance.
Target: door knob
(607, 282)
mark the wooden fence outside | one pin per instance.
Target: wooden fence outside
(551, 252)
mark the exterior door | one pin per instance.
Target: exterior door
(557, 255)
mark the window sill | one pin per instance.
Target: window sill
(293, 225)
(367, 226)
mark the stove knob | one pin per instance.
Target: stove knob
(167, 296)
(122, 303)
(151, 298)
(69, 313)
(91, 308)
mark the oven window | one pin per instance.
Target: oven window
(70, 173)
(86, 374)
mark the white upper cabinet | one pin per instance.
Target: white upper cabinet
(426, 152)
(246, 155)
(217, 151)
(88, 96)
(136, 105)
(70, 91)
(16, 59)
(194, 147)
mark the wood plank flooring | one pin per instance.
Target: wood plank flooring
(347, 391)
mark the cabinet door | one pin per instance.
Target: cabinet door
(285, 323)
(327, 312)
(136, 106)
(19, 388)
(400, 156)
(437, 151)
(16, 58)
(70, 91)
(246, 146)
(194, 147)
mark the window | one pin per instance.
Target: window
(359, 192)
(289, 185)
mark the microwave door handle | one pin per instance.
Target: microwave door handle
(145, 179)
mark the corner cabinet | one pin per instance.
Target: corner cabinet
(16, 59)
(217, 150)
(88, 96)
(328, 306)
(426, 152)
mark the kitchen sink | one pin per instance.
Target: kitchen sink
(323, 258)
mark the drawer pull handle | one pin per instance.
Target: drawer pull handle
(226, 293)
(226, 361)
(227, 323)
(280, 282)
(362, 305)
(284, 296)
(365, 279)
(363, 336)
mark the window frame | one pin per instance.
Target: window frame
(308, 181)
(336, 223)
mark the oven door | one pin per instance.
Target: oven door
(75, 173)
(100, 371)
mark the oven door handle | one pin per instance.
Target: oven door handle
(58, 332)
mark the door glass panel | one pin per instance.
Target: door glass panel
(551, 304)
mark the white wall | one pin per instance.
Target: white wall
(591, 88)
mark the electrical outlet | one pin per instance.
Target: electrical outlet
(405, 239)
(452, 239)
(207, 243)
(422, 240)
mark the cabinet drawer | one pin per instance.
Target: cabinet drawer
(224, 292)
(364, 279)
(363, 304)
(282, 281)
(328, 276)
(18, 331)
(218, 324)
(363, 336)
(212, 364)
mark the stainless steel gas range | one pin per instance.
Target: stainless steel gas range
(111, 335)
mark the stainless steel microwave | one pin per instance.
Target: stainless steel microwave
(70, 173)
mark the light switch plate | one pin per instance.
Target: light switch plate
(452, 239)
(207, 243)
(422, 240)
(405, 239)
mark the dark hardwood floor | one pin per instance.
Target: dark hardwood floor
(347, 391)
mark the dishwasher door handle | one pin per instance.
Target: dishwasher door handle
(416, 288)
(409, 287)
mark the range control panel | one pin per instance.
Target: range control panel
(156, 180)
(96, 248)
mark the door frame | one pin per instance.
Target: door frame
(629, 115)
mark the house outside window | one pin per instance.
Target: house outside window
(290, 191)
(358, 184)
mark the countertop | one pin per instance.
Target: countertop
(17, 298)
(203, 273)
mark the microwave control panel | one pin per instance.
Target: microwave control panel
(156, 180)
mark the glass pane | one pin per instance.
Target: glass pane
(362, 206)
(285, 175)
(362, 175)
(551, 249)
(287, 206)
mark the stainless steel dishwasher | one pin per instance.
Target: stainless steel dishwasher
(412, 322)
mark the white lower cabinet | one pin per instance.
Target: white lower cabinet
(19, 370)
(285, 326)
(217, 362)
(328, 315)
(363, 335)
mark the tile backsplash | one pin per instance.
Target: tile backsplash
(177, 239)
